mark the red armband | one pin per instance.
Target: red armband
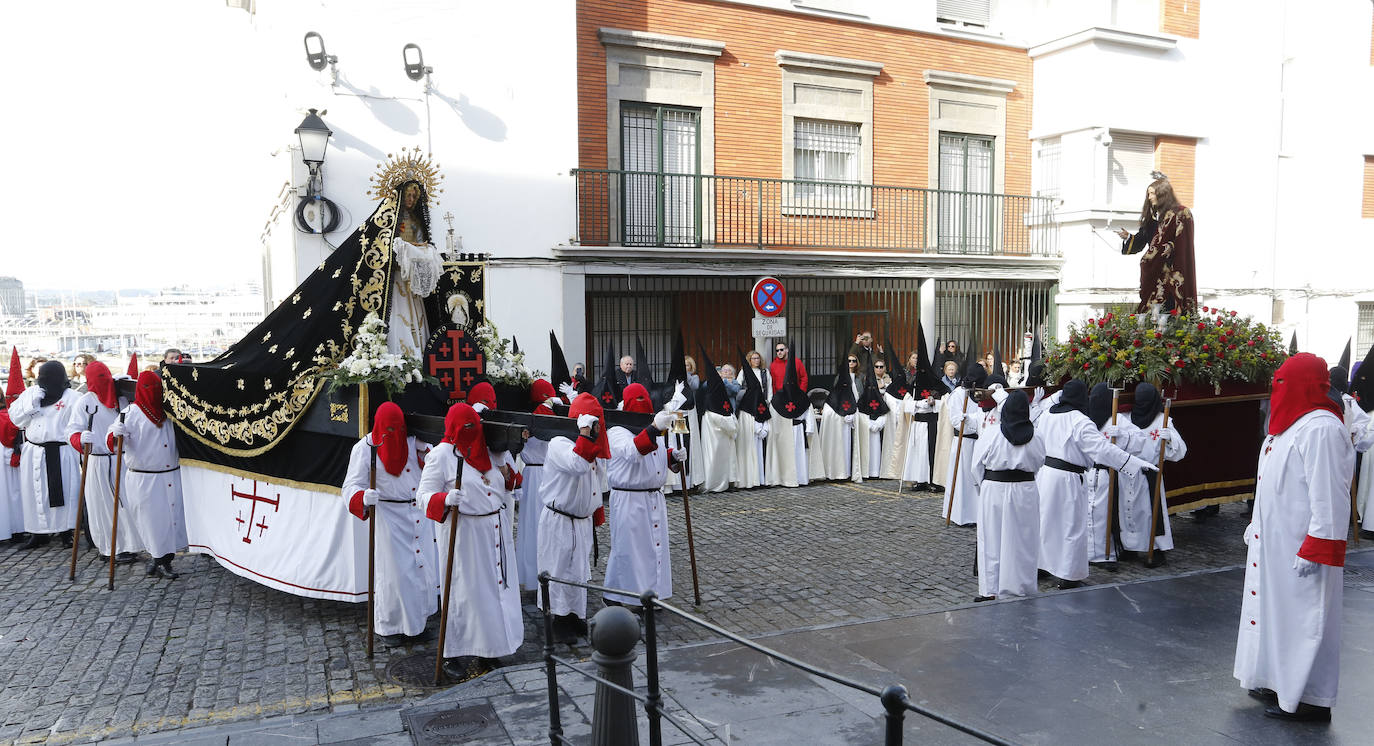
(519, 479)
(673, 464)
(437, 511)
(586, 448)
(75, 440)
(14, 458)
(110, 441)
(599, 516)
(645, 442)
(512, 480)
(1329, 552)
(356, 507)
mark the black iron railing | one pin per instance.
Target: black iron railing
(894, 698)
(648, 208)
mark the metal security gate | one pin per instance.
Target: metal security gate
(982, 314)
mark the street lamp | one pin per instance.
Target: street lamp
(415, 62)
(314, 135)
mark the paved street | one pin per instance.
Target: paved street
(80, 663)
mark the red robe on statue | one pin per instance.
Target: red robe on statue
(1167, 276)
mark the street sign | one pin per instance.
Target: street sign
(769, 297)
(773, 327)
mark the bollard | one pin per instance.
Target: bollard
(614, 632)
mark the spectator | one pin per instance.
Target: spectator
(732, 387)
(689, 363)
(626, 374)
(863, 350)
(778, 368)
(880, 374)
(579, 378)
(1015, 374)
(171, 356)
(30, 371)
(756, 368)
(913, 367)
(77, 375)
(951, 352)
(951, 377)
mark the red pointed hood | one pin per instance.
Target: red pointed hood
(133, 365)
(101, 383)
(587, 404)
(15, 385)
(1300, 386)
(540, 392)
(482, 393)
(463, 429)
(635, 398)
(389, 436)
(148, 397)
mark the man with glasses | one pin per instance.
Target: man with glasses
(777, 369)
(863, 350)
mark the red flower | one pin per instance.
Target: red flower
(1108, 363)
(1092, 321)
(1207, 363)
(1174, 312)
(1205, 309)
(1073, 350)
(1159, 335)
(1126, 363)
(1251, 343)
(1110, 316)
(1230, 347)
(1206, 348)
(1201, 326)
(1220, 323)
(1178, 363)
(1085, 366)
(1233, 313)
(1264, 356)
(1139, 342)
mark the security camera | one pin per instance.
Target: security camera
(1106, 141)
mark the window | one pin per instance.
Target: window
(1364, 327)
(964, 12)
(1130, 159)
(965, 200)
(1047, 168)
(825, 151)
(662, 159)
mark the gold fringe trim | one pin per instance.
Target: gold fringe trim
(250, 452)
(231, 471)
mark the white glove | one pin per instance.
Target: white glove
(1039, 394)
(453, 498)
(87, 438)
(552, 400)
(679, 398)
(849, 420)
(1249, 534)
(998, 395)
(35, 392)
(876, 424)
(1136, 466)
(566, 389)
(586, 420)
(1112, 431)
(1165, 434)
(956, 419)
(679, 455)
(370, 497)
(1304, 567)
(663, 420)
(119, 429)
(760, 430)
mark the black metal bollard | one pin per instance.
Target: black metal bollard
(894, 700)
(615, 722)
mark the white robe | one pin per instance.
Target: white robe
(1366, 485)
(868, 451)
(895, 434)
(1008, 520)
(531, 507)
(152, 484)
(1290, 627)
(1134, 502)
(1098, 482)
(1064, 536)
(570, 484)
(46, 425)
(750, 462)
(484, 617)
(786, 457)
(696, 473)
(836, 452)
(918, 466)
(1358, 423)
(407, 580)
(717, 450)
(100, 478)
(944, 443)
(964, 495)
(639, 558)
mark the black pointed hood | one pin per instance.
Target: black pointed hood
(1100, 404)
(1015, 421)
(1037, 352)
(677, 372)
(1293, 343)
(841, 397)
(1073, 398)
(514, 345)
(901, 385)
(1362, 383)
(1345, 356)
(974, 377)
(559, 373)
(1147, 405)
(926, 375)
(52, 376)
(790, 401)
(752, 401)
(711, 394)
(607, 389)
(871, 400)
(644, 375)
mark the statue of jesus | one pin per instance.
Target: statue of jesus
(1165, 243)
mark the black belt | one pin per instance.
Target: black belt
(1008, 475)
(596, 549)
(481, 515)
(925, 417)
(971, 436)
(1103, 466)
(152, 471)
(500, 537)
(1061, 464)
(52, 463)
(399, 502)
(631, 489)
(567, 514)
(529, 464)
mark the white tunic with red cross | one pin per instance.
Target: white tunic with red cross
(1134, 504)
(1290, 626)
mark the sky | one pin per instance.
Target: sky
(137, 148)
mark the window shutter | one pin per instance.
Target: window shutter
(1130, 160)
(975, 12)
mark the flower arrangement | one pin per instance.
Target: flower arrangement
(369, 362)
(1209, 345)
(503, 365)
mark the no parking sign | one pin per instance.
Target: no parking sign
(769, 297)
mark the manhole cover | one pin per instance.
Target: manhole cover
(454, 726)
(416, 671)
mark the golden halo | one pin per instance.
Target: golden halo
(408, 165)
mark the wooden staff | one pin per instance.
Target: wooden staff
(687, 514)
(448, 573)
(114, 524)
(1159, 487)
(1111, 486)
(81, 496)
(371, 552)
(954, 478)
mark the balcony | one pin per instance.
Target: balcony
(652, 209)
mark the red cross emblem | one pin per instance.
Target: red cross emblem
(873, 405)
(763, 408)
(901, 391)
(1154, 434)
(456, 363)
(254, 498)
(790, 407)
(992, 419)
(59, 405)
(726, 406)
(608, 397)
(845, 406)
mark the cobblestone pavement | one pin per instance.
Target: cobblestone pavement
(81, 663)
